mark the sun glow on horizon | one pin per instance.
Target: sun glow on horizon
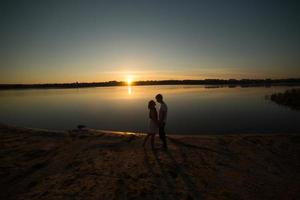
(129, 80)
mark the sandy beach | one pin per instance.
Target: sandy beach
(92, 164)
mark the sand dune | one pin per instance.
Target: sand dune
(91, 164)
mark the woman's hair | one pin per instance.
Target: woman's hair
(151, 104)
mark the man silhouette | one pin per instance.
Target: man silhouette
(162, 119)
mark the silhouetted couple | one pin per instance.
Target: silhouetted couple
(157, 122)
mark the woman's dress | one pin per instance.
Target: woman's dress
(152, 126)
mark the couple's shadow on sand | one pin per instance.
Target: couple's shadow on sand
(169, 172)
(164, 171)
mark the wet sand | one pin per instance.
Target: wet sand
(90, 164)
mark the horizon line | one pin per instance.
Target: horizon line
(152, 80)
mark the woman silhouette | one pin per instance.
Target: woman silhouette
(153, 123)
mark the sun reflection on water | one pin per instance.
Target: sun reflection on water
(129, 90)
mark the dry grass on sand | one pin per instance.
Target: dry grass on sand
(90, 164)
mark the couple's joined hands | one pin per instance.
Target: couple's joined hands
(159, 123)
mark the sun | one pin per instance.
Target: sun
(129, 80)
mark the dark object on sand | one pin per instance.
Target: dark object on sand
(81, 126)
(289, 98)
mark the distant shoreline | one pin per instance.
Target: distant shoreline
(214, 82)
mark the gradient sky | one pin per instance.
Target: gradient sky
(84, 40)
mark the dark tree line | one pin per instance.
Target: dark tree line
(214, 82)
(290, 98)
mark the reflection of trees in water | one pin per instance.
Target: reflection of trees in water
(290, 98)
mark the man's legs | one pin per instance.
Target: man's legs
(162, 134)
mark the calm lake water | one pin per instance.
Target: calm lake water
(192, 109)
